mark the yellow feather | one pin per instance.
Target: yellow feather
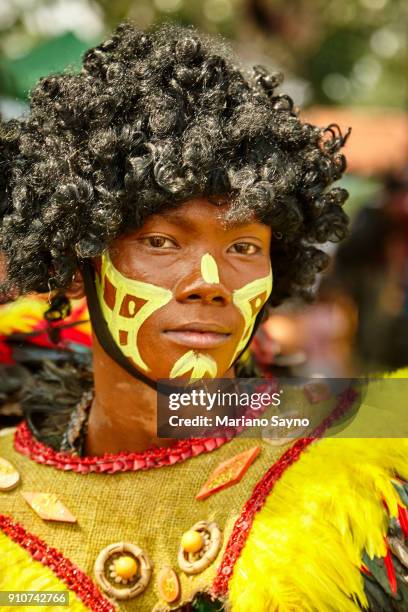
(305, 547)
(19, 572)
(25, 314)
(22, 315)
(402, 373)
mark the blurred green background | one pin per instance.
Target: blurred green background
(333, 51)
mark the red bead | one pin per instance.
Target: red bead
(110, 463)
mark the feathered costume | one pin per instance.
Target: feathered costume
(321, 524)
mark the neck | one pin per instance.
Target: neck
(123, 414)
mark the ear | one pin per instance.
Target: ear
(76, 290)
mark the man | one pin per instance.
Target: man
(182, 196)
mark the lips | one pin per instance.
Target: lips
(199, 335)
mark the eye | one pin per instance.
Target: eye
(245, 248)
(158, 242)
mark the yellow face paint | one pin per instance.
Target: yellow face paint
(249, 299)
(200, 364)
(127, 303)
(130, 304)
(209, 269)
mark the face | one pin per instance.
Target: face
(180, 295)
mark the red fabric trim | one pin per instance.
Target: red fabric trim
(76, 580)
(261, 491)
(26, 444)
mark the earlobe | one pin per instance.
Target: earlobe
(76, 289)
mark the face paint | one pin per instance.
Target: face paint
(209, 269)
(249, 299)
(126, 304)
(200, 364)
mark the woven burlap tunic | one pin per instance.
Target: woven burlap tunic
(150, 508)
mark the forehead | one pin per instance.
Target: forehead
(202, 214)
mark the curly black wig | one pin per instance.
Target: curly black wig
(152, 120)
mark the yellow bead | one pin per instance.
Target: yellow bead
(125, 567)
(192, 541)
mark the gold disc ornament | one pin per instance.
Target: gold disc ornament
(199, 547)
(123, 570)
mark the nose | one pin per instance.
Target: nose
(195, 289)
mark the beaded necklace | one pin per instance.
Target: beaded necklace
(70, 455)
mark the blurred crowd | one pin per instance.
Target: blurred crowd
(359, 321)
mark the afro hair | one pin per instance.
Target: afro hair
(152, 120)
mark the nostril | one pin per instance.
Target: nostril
(194, 296)
(218, 299)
